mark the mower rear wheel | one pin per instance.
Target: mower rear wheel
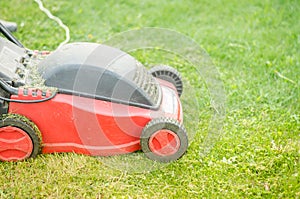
(19, 139)
(164, 140)
(169, 74)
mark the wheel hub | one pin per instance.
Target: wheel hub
(164, 142)
(15, 144)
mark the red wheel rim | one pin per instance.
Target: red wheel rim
(164, 142)
(15, 144)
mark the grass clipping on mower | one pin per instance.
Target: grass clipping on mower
(24, 119)
(35, 79)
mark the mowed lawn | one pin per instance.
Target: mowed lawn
(255, 45)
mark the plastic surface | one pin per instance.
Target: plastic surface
(15, 144)
(93, 127)
(169, 74)
(10, 61)
(164, 140)
(101, 71)
(19, 139)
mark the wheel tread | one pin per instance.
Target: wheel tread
(26, 125)
(170, 74)
(167, 123)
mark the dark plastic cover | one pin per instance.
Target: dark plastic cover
(102, 72)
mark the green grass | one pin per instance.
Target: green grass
(254, 44)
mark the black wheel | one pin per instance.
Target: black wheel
(164, 140)
(19, 138)
(169, 74)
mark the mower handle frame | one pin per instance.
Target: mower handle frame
(10, 36)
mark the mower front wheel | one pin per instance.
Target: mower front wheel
(19, 139)
(164, 140)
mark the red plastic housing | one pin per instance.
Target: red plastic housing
(93, 127)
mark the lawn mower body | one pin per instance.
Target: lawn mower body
(101, 105)
(84, 125)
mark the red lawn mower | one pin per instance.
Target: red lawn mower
(96, 100)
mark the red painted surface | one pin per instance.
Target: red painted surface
(88, 126)
(164, 142)
(15, 144)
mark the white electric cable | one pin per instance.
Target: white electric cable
(58, 20)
